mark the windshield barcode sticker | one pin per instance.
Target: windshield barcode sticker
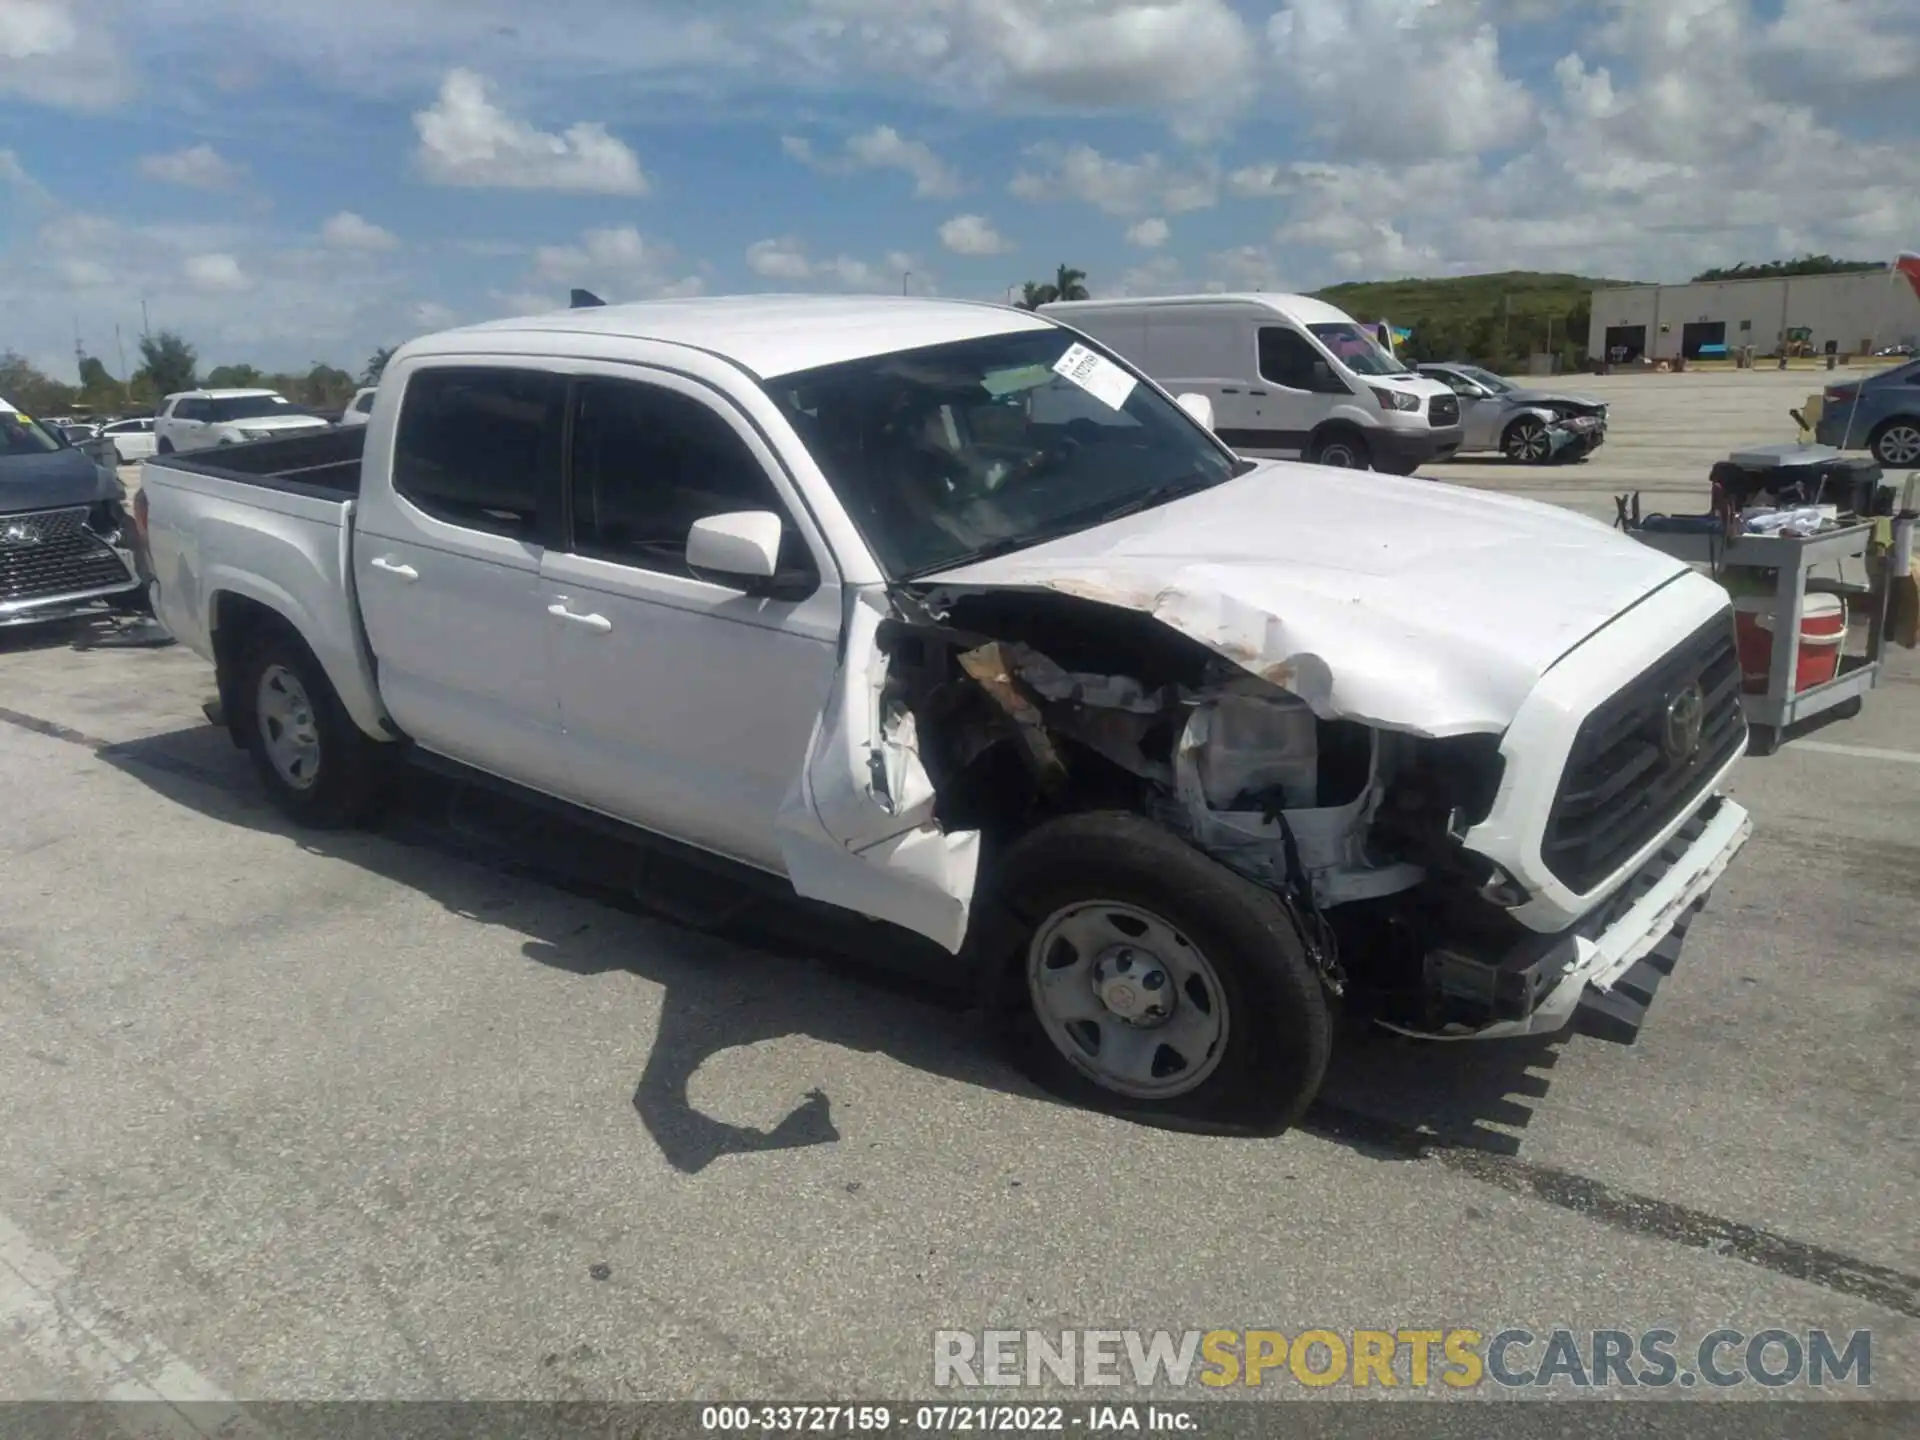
(1096, 375)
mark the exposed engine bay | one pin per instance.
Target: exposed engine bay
(1021, 705)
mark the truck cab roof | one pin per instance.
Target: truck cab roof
(767, 335)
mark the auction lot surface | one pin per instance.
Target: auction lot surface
(371, 1116)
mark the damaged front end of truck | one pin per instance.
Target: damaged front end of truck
(965, 717)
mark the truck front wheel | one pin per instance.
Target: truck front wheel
(317, 765)
(1139, 977)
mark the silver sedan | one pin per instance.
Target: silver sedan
(1529, 427)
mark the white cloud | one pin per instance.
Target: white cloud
(1162, 275)
(1119, 187)
(200, 167)
(973, 235)
(350, 231)
(1149, 234)
(1399, 79)
(1190, 59)
(881, 148)
(780, 259)
(427, 316)
(216, 273)
(617, 263)
(785, 258)
(61, 53)
(468, 140)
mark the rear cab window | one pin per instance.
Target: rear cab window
(480, 448)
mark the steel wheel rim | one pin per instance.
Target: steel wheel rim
(1095, 1009)
(1901, 445)
(1339, 455)
(284, 714)
(1529, 442)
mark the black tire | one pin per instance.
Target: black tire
(1341, 448)
(1525, 442)
(1275, 1013)
(1896, 443)
(1396, 467)
(344, 789)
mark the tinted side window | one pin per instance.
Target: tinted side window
(1286, 358)
(364, 405)
(481, 448)
(647, 463)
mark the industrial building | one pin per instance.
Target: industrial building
(1815, 314)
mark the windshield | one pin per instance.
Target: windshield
(1357, 350)
(1499, 384)
(20, 435)
(252, 407)
(955, 452)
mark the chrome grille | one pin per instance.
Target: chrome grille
(1625, 779)
(47, 554)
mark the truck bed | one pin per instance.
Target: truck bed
(321, 465)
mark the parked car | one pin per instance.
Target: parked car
(65, 547)
(132, 439)
(943, 614)
(202, 419)
(1529, 426)
(360, 407)
(1287, 376)
(1880, 413)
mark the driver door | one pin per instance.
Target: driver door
(687, 704)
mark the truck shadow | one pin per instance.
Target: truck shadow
(781, 969)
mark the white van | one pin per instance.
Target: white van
(1288, 376)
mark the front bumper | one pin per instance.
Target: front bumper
(1603, 971)
(1413, 448)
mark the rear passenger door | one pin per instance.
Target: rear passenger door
(688, 704)
(446, 562)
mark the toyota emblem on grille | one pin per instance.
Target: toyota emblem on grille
(1680, 726)
(19, 533)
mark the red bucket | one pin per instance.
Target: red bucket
(1823, 630)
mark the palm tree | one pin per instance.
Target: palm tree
(1067, 284)
(1034, 295)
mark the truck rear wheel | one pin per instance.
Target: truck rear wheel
(1136, 976)
(317, 765)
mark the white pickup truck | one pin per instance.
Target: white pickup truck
(942, 613)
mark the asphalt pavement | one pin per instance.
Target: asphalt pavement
(286, 1116)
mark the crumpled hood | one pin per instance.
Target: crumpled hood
(1551, 397)
(59, 477)
(1401, 603)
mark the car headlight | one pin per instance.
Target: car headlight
(1394, 399)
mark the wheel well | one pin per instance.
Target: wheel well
(1888, 423)
(1342, 429)
(238, 621)
(1518, 421)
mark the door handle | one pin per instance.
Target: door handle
(1257, 392)
(599, 624)
(1229, 390)
(393, 567)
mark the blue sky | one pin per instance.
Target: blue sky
(288, 183)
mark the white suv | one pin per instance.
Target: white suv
(202, 419)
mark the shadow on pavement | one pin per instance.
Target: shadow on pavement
(784, 968)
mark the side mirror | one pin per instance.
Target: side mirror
(743, 545)
(1199, 407)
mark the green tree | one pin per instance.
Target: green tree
(1034, 294)
(377, 365)
(1804, 265)
(1070, 284)
(24, 384)
(98, 389)
(168, 363)
(326, 385)
(236, 377)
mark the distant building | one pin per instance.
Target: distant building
(1846, 314)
